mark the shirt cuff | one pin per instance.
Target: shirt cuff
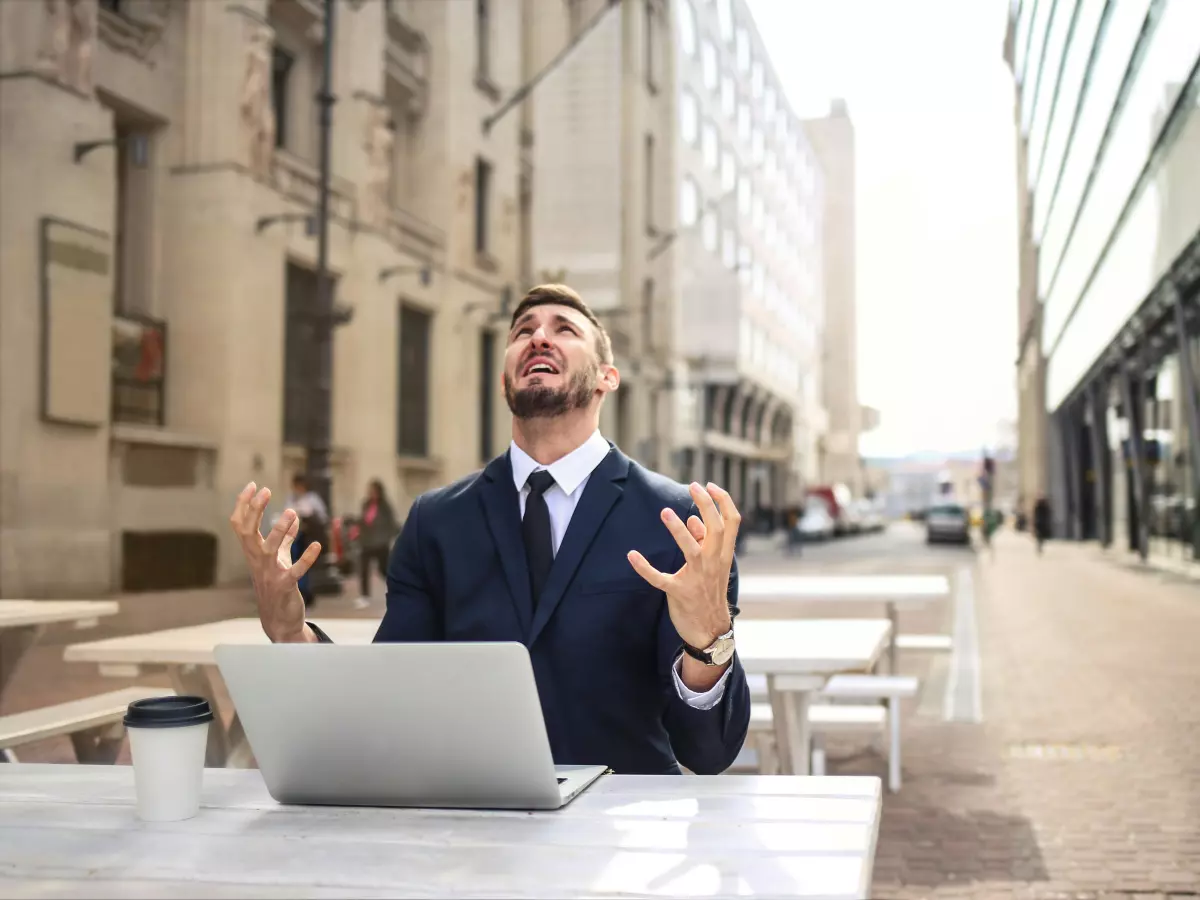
(706, 700)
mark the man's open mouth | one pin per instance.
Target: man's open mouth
(540, 365)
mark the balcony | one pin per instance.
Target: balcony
(406, 59)
(300, 182)
(139, 364)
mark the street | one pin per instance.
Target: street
(1058, 762)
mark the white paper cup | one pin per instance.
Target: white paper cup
(167, 740)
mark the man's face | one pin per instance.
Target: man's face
(551, 366)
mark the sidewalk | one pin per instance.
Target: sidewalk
(1083, 780)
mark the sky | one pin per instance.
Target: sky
(931, 101)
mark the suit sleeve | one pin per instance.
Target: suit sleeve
(706, 741)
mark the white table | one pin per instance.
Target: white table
(186, 655)
(798, 656)
(70, 831)
(23, 621)
(894, 591)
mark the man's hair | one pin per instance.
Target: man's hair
(561, 295)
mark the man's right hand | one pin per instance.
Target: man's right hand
(275, 576)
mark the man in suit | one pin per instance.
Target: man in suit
(620, 582)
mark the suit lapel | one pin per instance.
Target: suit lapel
(602, 491)
(502, 508)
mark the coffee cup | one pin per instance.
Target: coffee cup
(168, 737)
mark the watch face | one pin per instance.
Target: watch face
(722, 650)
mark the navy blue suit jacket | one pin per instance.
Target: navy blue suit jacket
(601, 641)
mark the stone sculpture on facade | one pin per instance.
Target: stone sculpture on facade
(258, 114)
(380, 146)
(68, 41)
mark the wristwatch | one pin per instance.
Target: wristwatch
(719, 652)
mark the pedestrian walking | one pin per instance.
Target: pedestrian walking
(314, 521)
(1041, 521)
(377, 529)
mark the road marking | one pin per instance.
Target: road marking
(963, 700)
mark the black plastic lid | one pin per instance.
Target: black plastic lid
(168, 712)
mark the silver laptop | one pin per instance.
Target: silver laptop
(450, 725)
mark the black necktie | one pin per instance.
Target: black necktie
(535, 529)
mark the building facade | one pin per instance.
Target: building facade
(1108, 117)
(745, 246)
(832, 138)
(157, 269)
(601, 127)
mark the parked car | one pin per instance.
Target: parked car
(870, 517)
(816, 524)
(837, 501)
(947, 522)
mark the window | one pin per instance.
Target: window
(770, 104)
(412, 437)
(709, 230)
(728, 170)
(648, 171)
(708, 146)
(744, 196)
(281, 74)
(487, 393)
(729, 249)
(728, 96)
(743, 122)
(483, 184)
(483, 38)
(725, 19)
(687, 27)
(743, 50)
(689, 202)
(121, 300)
(745, 264)
(651, 39)
(689, 118)
(299, 346)
(756, 79)
(757, 145)
(708, 61)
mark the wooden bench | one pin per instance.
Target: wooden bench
(937, 643)
(93, 723)
(840, 718)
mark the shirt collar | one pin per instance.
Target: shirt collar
(569, 472)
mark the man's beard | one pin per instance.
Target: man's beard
(542, 402)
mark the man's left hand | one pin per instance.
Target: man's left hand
(697, 595)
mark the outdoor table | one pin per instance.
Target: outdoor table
(798, 656)
(22, 623)
(71, 831)
(894, 591)
(186, 655)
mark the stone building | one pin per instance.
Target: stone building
(745, 242)
(160, 168)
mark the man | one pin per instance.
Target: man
(1041, 521)
(632, 649)
(313, 519)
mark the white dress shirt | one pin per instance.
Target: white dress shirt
(571, 474)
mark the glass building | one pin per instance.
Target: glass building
(1108, 116)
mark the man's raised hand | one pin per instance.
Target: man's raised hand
(274, 575)
(697, 595)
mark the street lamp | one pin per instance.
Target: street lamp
(324, 577)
